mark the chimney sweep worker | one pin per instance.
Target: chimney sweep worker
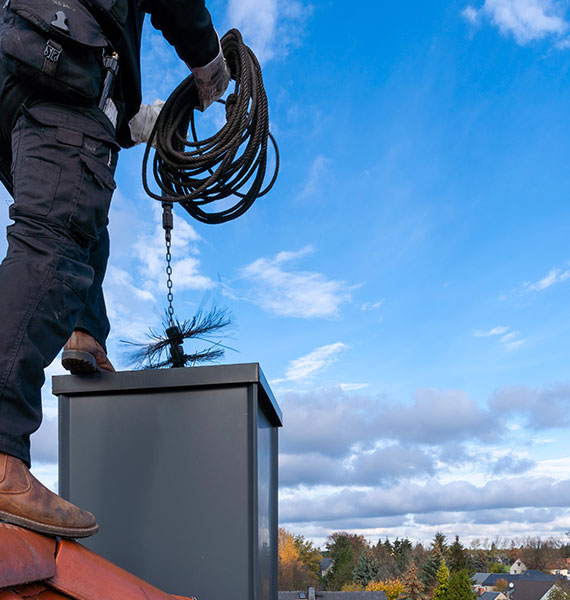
(58, 153)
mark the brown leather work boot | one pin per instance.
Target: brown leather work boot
(26, 502)
(83, 354)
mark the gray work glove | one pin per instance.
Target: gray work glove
(142, 124)
(212, 79)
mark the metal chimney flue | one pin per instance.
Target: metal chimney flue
(180, 468)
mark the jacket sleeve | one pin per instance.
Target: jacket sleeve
(187, 25)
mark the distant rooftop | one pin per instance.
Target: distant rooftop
(530, 575)
(531, 590)
(489, 595)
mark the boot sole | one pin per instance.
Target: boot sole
(79, 363)
(64, 532)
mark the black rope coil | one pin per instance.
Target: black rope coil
(196, 173)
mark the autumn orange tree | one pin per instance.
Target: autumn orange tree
(414, 587)
(501, 585)
(393, 588)
(293, 573)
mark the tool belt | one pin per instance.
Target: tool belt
(58, 48)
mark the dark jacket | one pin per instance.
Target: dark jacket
(186, 24)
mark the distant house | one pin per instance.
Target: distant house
(492, 596)
(561, 567)
(532, 590)
(325, 566)
(522, 584)
(518, 567)
(529, 575)
(478, 581)
(333, 596)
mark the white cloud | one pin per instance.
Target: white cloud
(306, 367)
(510, 340)
(47, 473)
(44, 442)
(542, 408)
(411, 498)
(353, 387)
(124, 281)
(367, 306)
(389, 463)
(495, 331)
(331, 422)
(269, 27)
(554, 276)
(526, 20)
(319, 169)
(302, 294)
(471, 14)
(121, 294)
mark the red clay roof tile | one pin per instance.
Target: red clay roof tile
(31, 589)
(52, 595)
(66, 572)
(26, 556)
(36, 592)
(84, 575)
(9, 595)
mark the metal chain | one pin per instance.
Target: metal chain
(168, 225)
(170, 295)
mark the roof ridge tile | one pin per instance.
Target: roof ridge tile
(26, 556)
(84, 575)
(36, 566)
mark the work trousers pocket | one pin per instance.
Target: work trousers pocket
(91, 205)
(63, 166)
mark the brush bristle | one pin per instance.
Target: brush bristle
(156, 353)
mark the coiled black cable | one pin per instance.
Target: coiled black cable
(199, 172)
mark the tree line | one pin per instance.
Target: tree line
(402, 569)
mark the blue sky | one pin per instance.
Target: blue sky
(405, 286)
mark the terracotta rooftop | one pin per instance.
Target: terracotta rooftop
(38, 567)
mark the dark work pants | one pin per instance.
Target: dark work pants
(58, 162)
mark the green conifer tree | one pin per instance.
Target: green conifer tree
(440, 592)
(431, 565)
(460, 587)
(457, 556)
(401, 550)
(367, 569)
(439, 542)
